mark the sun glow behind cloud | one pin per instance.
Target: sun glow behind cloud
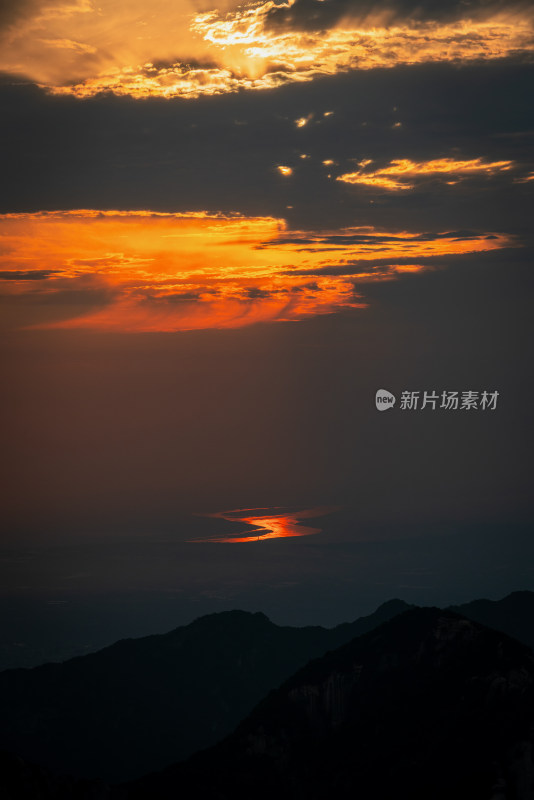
(149, 271)
(171, 50)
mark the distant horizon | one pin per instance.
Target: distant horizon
(52, 626)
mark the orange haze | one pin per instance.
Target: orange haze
(148, 271)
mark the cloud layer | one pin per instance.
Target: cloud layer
(172, 50)
(150, 271)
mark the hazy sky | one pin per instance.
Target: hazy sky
(221, 232)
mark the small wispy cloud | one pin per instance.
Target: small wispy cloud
(402, 174)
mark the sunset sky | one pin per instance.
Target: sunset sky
(222, 229)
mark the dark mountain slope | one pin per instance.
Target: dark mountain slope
(429, 706)
(513, 615)
(145, 703)
(20, 780)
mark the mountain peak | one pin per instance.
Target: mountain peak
(394, 606)
(429, 704)
(235, 617)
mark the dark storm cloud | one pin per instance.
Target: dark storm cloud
(346, 269)
(439, 262)
(185, 66)
(316, 15)
(51, 305)
(85, 297)
(176, 297)
(344, 240)
(27, 275)
(255, 293)
(311, 287)
(179, 156)
(79, 300)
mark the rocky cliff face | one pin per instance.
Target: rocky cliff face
(428, 706)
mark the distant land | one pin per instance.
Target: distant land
(142, 704)
(426, 704)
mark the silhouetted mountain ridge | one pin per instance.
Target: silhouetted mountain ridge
(514, 614)
(141, 704)
(428, 705)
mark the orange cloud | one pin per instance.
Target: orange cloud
(396, 176)
(150, 271)
(130, 47)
